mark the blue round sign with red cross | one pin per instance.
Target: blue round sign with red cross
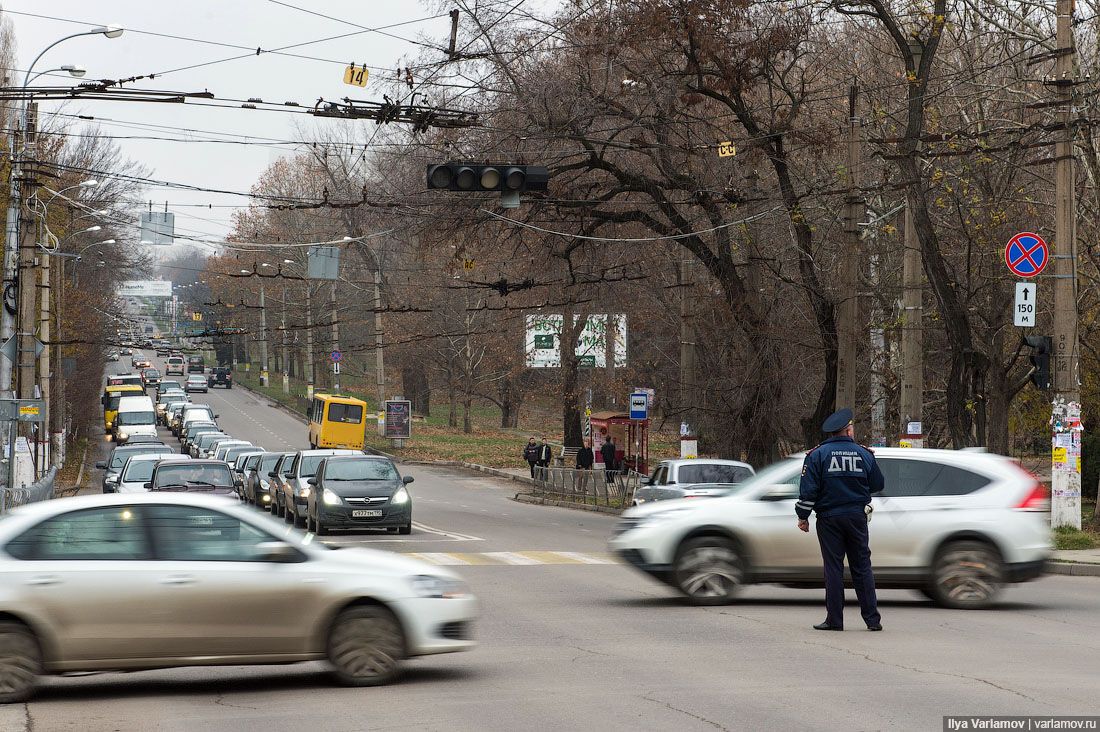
(1026, 254)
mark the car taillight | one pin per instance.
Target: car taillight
(1037, 499)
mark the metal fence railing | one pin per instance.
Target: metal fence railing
(593, 487)
(41, 490)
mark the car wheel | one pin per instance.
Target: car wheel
(406, 529)
(709, 570)
(20, 663)
(320, 529)
(288, 515)
(966, 575)
(365, 645)
(299, 521)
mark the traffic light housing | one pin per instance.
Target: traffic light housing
(506, 178)
(1041, 347)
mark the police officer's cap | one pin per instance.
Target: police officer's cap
(837, 421)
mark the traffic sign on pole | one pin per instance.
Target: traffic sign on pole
(639, 405)
(336, 356)
(1026, 254)
(336, 368)
(1023, 313)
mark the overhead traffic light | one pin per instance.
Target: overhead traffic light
(1040, 360)
(510, 180)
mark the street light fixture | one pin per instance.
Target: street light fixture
(74, 70)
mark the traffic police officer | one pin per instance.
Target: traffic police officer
(838, 478)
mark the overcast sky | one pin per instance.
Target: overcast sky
(249, 23)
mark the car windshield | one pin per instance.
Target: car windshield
(193, 414)
(347, 413)
(151, 373)
(309, 465)
(121, 455)
(205, 440)
(712, 473)
(136, 418)
(368, 469)
(267, 462)
(138, 470)
(774, 474)
(216, 475)
(170, 396)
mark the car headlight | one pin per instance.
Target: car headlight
(303, 492)
(426, 585)
(123, 435)
(330, 498)
(401, 497)
(265, 485)
(660, 517)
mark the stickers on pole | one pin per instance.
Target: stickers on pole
(1023, 312)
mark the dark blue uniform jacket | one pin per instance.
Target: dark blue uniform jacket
(838, 477)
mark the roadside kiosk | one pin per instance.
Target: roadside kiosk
(631, 438)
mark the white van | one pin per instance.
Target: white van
(136, 416)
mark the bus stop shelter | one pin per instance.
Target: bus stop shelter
(631, 437)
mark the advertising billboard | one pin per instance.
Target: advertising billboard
(398, 419)
(543, 341)
(145, 288)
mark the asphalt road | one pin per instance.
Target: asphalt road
(571, 642)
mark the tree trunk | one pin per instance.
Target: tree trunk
(452, 411)
(415, 387)
(570, 372)
(509, 410)
(467, 425)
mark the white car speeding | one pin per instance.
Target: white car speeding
(155, 580)
(955, 525)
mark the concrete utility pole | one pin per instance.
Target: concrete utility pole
(687, 348)
(264, 379)
(379, 359)
(309, 341)
(45, 361)
(335, 336)
(1066, 422)
(911, 406)
(848, 316)
(286, 352)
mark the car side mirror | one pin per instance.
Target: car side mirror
(407, 479)
(312, 481)
(271, 474)
(101, 465)
(217, 416)
(780, 493)
(644, 481)
(147, 486)
(278, 552)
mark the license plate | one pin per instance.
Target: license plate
(367, 513)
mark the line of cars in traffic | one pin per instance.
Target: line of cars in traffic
(171, 566)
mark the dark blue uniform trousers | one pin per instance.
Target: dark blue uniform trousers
(840, 536)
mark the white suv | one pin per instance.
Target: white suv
(954, 525)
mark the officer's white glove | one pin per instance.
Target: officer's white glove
(868, 509)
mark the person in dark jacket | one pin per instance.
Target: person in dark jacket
(531, 454)
(607, 450)
(585, 460)
(838, 478)
(544, 454)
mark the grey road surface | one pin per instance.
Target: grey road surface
(571, 642)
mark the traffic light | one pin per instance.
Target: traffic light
(1040, 360)
(510, 180)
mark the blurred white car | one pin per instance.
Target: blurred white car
(155, 580)
(955, 525)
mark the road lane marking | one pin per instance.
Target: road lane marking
(514, 559)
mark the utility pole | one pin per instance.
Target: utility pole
(379, 363)
(1066, 413)
(849, 273)
(57, 414)
(335, 337)
(687, 349)
(45, 361)
(27, 315)
(309, 341)
(286, 353)
(263, 337)
(911, 402)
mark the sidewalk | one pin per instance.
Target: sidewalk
(1079, 562)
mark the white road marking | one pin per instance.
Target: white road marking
(511, 558)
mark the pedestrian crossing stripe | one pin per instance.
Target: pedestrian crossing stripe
(515, 559)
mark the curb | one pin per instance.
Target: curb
(1076, 569)
(535, 500)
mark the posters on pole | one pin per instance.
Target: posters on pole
(543, 340)
(145, 288)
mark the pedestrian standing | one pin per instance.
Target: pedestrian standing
(838, 478)
(585, 460)
(531, 454)
(544, 454)
(607, 450)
